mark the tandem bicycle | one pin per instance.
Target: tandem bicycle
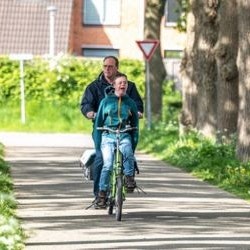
(118, 190)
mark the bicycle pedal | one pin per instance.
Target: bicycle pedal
(100, 207)
(139, 189)
(130, 190)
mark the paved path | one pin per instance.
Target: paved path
(178, 211)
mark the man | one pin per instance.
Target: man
(92, 97)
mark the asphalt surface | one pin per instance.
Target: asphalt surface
(176, 212)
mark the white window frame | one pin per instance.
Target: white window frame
(102, 12)
(101, 51)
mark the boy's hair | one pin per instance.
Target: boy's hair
(119, 74)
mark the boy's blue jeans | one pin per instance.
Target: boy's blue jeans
(107, 149)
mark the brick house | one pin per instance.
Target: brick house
(89, 28)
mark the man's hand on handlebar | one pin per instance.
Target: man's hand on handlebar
(91, 115)
(140, 115)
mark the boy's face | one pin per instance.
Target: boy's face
(120, 85)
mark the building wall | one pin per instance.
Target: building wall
(122, 37)
(171, 38)
(130, 30)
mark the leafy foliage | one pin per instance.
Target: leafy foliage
(53, 91)
(11, 233)
(172, 102)
(64, 79)
(182, 21)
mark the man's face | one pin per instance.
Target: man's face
(109, 68)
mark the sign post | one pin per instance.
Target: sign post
(148, 48)
(21, 58)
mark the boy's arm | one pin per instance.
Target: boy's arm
(134, 94)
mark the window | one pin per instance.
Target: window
(99, 52)
(102, 12)
(172, 12)
(173, 54)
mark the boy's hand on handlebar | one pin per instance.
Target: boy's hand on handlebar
(117, 131)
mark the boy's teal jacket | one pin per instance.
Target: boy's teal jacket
(115, 112)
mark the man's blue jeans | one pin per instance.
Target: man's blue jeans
(98, 163)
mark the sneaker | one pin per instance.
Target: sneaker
(130, 183)
(101, 200)
(95, 202)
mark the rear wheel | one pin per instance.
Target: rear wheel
(118, 199)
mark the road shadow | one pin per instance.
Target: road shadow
(175, 211)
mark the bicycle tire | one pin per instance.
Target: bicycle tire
(118, 199)
(111, 207)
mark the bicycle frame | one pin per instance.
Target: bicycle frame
(117, 192)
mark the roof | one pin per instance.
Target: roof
(24, 26)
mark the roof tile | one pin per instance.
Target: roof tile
(24, 26)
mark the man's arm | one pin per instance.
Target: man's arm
(99, 121)
(88, 103)
(133, 93)
(134, 121)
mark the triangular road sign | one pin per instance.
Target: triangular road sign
(148, 47)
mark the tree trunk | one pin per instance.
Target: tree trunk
(243, 140)
(227, 81)
(153, 16)
(206, 33)
(189, 89)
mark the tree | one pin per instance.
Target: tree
(188, 117)
(154, 12)
(243, 138)
(199, 68)
(227, 78)
(223, 88)
(206, 31)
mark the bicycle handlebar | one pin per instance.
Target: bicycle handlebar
(116, 131)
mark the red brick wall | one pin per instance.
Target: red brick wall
(85, 35)
(122, 37)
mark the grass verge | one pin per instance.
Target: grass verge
(11, 234)
(212, 162)
(44, 117)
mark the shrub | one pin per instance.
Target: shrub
(11, 233)
(64, 79)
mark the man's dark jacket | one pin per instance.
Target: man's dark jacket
(95, 92)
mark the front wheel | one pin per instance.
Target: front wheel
(118, 199)
(111, 206)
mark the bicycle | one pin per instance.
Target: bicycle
(118, 190)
